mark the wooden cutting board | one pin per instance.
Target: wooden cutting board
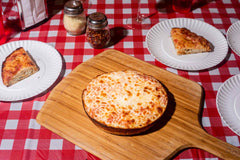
(179, 129)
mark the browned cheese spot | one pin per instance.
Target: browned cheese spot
(159, 109)
(103, 94)
(148, 121)
(124, 113)
(158, 88)
(129, 93)
(129, 107)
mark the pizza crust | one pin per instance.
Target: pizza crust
(187, 42)
(124, 102)
(18, 66)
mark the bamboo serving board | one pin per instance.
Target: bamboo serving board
(179, 129)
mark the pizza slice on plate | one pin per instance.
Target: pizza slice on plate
(187, 42)
(18, 66)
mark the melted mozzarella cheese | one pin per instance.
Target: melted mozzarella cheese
(125, 99)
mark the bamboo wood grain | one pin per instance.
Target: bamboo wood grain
(178, 129)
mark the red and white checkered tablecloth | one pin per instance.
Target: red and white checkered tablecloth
(21, 137)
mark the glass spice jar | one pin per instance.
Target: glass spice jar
(74, 19)
(97, 32)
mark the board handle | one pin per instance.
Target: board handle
(216, 146)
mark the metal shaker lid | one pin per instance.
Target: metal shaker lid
(98, 19)
(73, 7)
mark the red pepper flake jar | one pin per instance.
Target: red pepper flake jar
(98, 33)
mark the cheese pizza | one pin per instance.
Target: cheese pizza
(187, 42)
(124, 102)
(17, 66)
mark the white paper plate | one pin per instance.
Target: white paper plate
(228, 103)
(161, 47)
(47, 58)
(233, 35)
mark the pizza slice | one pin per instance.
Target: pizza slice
(18, 66)
(187, 42)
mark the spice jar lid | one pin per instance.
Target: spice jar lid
(73, 7)
(98, 19)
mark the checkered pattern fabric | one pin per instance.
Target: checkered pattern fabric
(21, 137)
